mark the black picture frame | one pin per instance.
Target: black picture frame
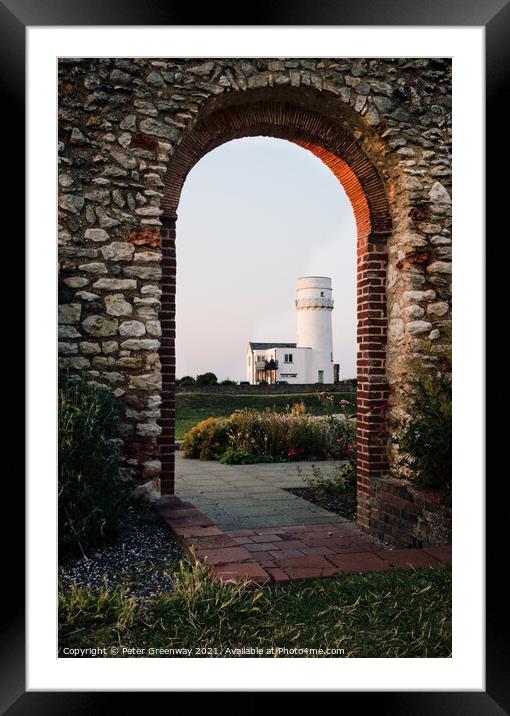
(15, 16)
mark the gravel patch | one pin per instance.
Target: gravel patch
(141, 559)
(344, 505)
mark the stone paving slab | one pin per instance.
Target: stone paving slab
(280, 554)
(237, 496)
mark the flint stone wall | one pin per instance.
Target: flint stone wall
(121, 121)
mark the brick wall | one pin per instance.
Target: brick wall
(167, 355)
(406, 515)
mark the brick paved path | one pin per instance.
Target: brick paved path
(242, 525)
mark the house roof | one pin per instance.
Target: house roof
(263, 346)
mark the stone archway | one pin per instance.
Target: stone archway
(129, 131)
(328, 130)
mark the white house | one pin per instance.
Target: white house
(310, 359)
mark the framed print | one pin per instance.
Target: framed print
(230, 487)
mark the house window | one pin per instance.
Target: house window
(288, 358)
(249, 360)
(321, 377)
(331, 354)
(322, 293)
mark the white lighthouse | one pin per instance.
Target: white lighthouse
(310, 360)
(314, 304)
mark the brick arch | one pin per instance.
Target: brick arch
(311, 130)
(337, 148)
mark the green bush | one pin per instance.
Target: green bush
(340, 480)
(341, 434)
(341, 439)
(185, 380)
(206, 441)
(90, 493)
(207, 379)
(425, 438)
(282, 435)
(250, 436)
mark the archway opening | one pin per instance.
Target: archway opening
(256, 214)
(340, 151)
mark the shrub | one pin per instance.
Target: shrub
(185, 380)
(249, 436)
(280, 435)
(90, 494)
(341, 433)
(425, 438)
(206, 379)
(227, 381)
(337, 482)
(342, 439)
(207, 440)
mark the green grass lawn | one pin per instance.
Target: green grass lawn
(191, 408)
(402, 613)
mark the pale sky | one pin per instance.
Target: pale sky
(256, 214)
